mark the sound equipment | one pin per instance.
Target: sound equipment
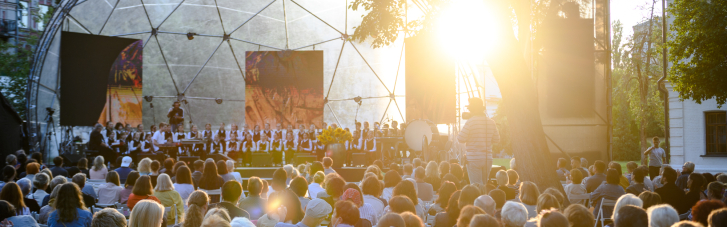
(71, 159)
(150, 155)
(418, 129)
(262, 159)
(303, 158)
(359, 159)
(218, 157)
(189, 160)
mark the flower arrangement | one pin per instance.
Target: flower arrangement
(337, 135)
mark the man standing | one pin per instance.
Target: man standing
(479, 133)
(175, 115)
(657, 157)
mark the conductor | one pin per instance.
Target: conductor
(175, 115)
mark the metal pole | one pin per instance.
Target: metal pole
(663, 90)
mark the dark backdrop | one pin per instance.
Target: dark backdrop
(10, 128)
(85, 64)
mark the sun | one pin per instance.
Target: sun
(467, 30)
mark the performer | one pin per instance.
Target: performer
(179, 135)
(108, 133)
(290, 146)
(175, 115)
(301, 130)
(134, 145)
(195, 134)
(291, 131)
(366, 129)
(305, 144)
(276, 149)
(394, 128)
(146, 147)
(278, 130)
(161, 138)
(234, 133)
(233, 147)
(351, 147)
(217, 146)
(245, 131)
(267, 131)
(479, 134)
(320, 149)
(98, 143)
(263, 145)
(221, 132)
(119, 145)
(370, 148)
(248, 146)
(256, 134)
(152, 130)
(312, 132)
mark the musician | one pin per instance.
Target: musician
(366, 129)
(217, 146)
(370, 147)
(320, 149)
(267, 131)
(178, 136)
(248, 146)
(152, 129)
(234, 133)
(263, 145)
(290, 146)
(276, 149)
(394, 128)
(161, 137)
(134, 145)
(289, 130)
(98, 143)
(245, 131)
(175, 115)
(108, 133)
(256, 134)
(312, 132)
(221, 132)
(278, 130)
(233, 147)
(385, 130)
(195, 134)
(145, 146)
(301, 130)
(130, 131)
(119, 145)
(350, 147)
(305, 144)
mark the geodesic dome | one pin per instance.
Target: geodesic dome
(211, 65)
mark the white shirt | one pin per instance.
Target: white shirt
(314, 189)
(655, 157)
(158, 137)
(185, 190)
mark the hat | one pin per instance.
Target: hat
(475, 103)
(353, 195)
(318, 208)
(126, 161)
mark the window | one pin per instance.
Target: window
(716, 125)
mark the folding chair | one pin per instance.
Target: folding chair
(172, 210)
(583, 197)
(213, 194)
(601, 215)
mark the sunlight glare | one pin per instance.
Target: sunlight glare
(467, 30)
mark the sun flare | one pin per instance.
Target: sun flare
(467, 30)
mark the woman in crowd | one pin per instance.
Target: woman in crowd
(8, 216)
(223, 172)
(449, 218)
(144, 167)
(315, 187)
(468, 212)
(662, 216)
(210, 179)
(290, 201)
(451, 178)
(50, 207)
(392, 219)
(701, 211)
(443, 169)
(696, 184)
(400, 204)
(147, 214)
(649, 199)
(155, 166)
(578, 215)
(40, 183)
(184, 183)
(99, 170)
(637, 184)
(70, 210)
(142, 190)
(529, 194)
(168, 167)
(175, 168)
(432, 175)
(30, 170)
(575, 188)
(502, 183)
(11, 193)
(231, 169)
(408, 189)
(715, 190)
(391, 179)
(166, 193)
(610, 190)
(197, 203)
(443, 194)
(9, 174)
(622, 180)
(110, 192)
(353, 193)
(371, 188)
(128, 186)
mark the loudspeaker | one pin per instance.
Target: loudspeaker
(217, 157)
(359, 159)
(303, 158)
(262, 159)
(71, 159)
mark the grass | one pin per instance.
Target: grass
(506, 163)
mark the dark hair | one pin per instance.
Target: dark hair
(561, 163)
(552, 219)
(698, 182)
(38, 157)
(400, 204)
(670, 175)
(467, 213)
(6, 210)
(231, 191)
(209, 176)
(547, 201)
(639, 174)
(631, 216)
(499, 197)
(279, 178)
(576, 176)
(348, 212)
(11, 192)
(391, 179)
(379, 163)
(82, 163)
(650, 199)
(371, 186)
(701, 211)
(68, 200)
(579, 216)
(445, 192)
(408, 189)
(616, 166)
(58, 161)
(408, 168)
(453, 207)
(315, 167)
(468, 196)
(612, 176)
(199, 164)
(131, 178)
(558, 195)
(299, 186)
(443, 168)
(155, 166)
(327, 162)
(183, 175)
(708, 178)
(221, 167)
(168, 163)
(8, 173)
(420, 173)
(451, 178)
(600, 166)
(143, 186)
(456, 170)
(334, 186)
(254, 186)
(718, 217)
(173, 171)
(290, 200)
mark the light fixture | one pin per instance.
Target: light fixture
(218, 101)
(357, 99)
(148, 98)
(190, 35)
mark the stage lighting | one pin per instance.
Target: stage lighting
(148, 98)
(218, 101)
(190, 35)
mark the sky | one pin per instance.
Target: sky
(631, 12)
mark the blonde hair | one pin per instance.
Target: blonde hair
(529, 193)
(216, 220)
(624, 200)
(145, 166)
(164, 183)
(502, 179)
(98, 163)
(195, 213)
(146, 213)
(319, 177)
(230, 166)
(291, 171)
(432, 169)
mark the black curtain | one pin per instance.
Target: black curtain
(10, 128)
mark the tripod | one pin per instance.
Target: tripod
(50, 124)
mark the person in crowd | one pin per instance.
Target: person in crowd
(610, 190)
(300, 187)
(198, 170)
(70, 209)
(449, 217)
(687, 224)
(411, 219)
(334, 189)
(443, 194)
(231, 192)
(456, 170)
(408, 171)
(657, 157)
(346, 214)
(110, 192)
(25, 188)
(432, 175)
(82, 167)
(648, 183)
(168, 167)
(467, 213)
(670, 193)
(53, 183)
(631, 216)
(21, 165)
(128, 187)
(223, 172)
(623, 201)
(283, 198)
(558, 195)
(718, 217)
(391, 179)
(155, 165)
(529, 194)
(48, 208)
(425, 190)
(637, 184)
(169, 197)
(80, 180)
(148, 213)
(701, 211)
(392, 219)
(11, 193)
(231, 169)
(145, 167)
(631, 167)
(142, 190)
(552, 218)
(98, 170)
(443, 168)
(578, 215)
(503, 180)
(484, 220)
(315, 187)
(695, 184)
(468, 196)
(479, 133)
(562, 171)
(328, 165)
(124, 168)
(40, 183)
(400, 204)
(290, 146)
(598, 178)
(8, 175)
(315, 213)
(408, 189)
(499, 197)
(682, 180)
(657, 180)
(715, 191)
(575, 187)
(31, 169)
(279, 181)
(367, 212)
(210, 179)
(662, 216)
(623, 181)
(9, 217)
(371, 189)
(108, 217)
(254, 204)
(217, 218)
(514, 214)
(184, 183)
(58, 169)
(173, 171)
(197, 208)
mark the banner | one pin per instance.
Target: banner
(123, 97)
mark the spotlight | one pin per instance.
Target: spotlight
(357, 99)
(148, 98)
(218, 101)
(190, 35)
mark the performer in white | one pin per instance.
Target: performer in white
(276, 149)
(222, 132)
(291, 146)
(263, 145)
(217, 146)
(234, 133)
(248, 146)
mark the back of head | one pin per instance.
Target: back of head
(299, 186)
(468, 196)
(499, 197)
(718, 217)
(400, 204)
(279, 178)
(612, 176)
(213, 213)
(649, 199)
(512, 176)
(254, 186)
(529, 193)
(391, 179)
(670, 175)
(371, 186)
(546, 202)
(142, 186)
(198, 165)
(6, 210)
(215, 221)
(79, 179)
(486, 203)
(58, 161)
(451, 178)
(627, 199)
(195, 211)
(467, 213)
(408, 169)
(391, 220)
(662, 216)
(347, 212)
(631, 216)
(514, 214)
(411, 219)
(241, 222)
(8, 173)
(579, 216)
(417, 162)
(146, 213)
(408, 189)
(558, 195)
(221, 167)
(155, 166)
(687, 224)
(600, 166)
(334, 185)
(67, 201)
(231, 191)
(701, 211)
(131, 178)
(420, 173)
(41, 180)
(484, 220)
(108, 217)
(82, 163)
(318, 177)
(714, 190)
(502, 178)
(552, 218)
(327, 162)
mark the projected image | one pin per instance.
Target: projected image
(124, 94)
(284, 87)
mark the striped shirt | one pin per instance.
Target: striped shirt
(479, 133)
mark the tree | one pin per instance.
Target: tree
(383, 21)
(697, 47)
(502, 127)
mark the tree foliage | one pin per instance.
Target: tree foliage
(697, 47)
(503, 128)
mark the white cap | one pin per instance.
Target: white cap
(126, 161)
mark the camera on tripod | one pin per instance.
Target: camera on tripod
(50, 110)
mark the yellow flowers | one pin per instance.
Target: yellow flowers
(338, 135)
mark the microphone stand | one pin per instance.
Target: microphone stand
(355, 118)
